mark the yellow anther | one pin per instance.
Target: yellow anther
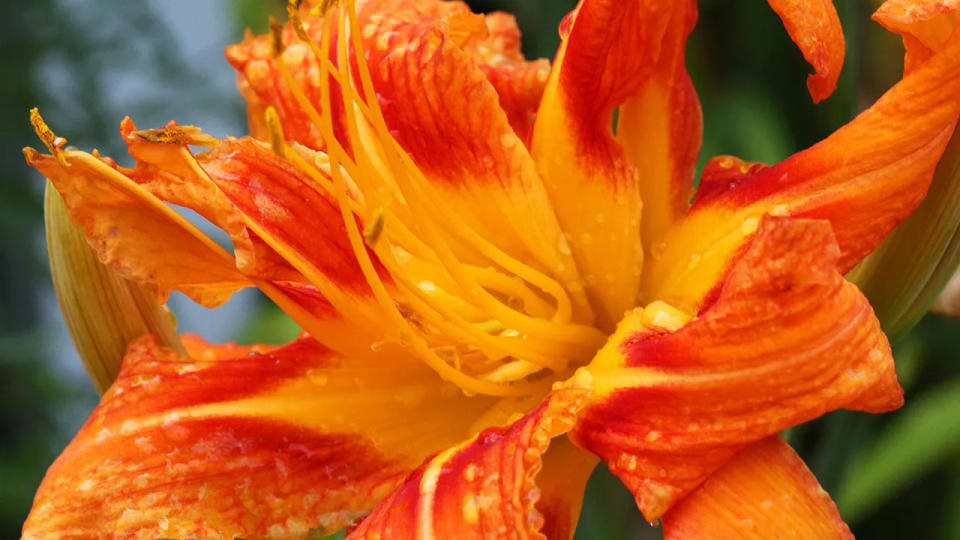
(49, 138)
(325, 6)
(277, 139)
(294, 15)
(191, 135)
(490, 326)
(276, 38)
(372, 232)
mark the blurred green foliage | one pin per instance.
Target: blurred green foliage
(893, 476)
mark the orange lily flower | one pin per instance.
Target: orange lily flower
(497, 289)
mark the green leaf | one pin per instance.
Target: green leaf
(921, 436)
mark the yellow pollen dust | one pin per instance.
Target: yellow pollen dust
(485, 321)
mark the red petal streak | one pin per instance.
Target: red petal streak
(277, 198)
(252, 446)
(519, 83)
(483, 488)
(815, 27)
(764, 492)
(785, 341)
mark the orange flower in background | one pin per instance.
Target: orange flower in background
(497, 290)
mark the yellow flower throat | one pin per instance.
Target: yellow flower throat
(482, 319)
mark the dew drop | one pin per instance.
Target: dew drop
(655, 523)
(562, 245)
(377, 346)
(658, 250)
(566, 25)
(317, 377)
(173, 430)
(471, 513)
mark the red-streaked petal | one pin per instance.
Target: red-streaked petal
(283, 205)
(484, 487)
(262, 84)
(519, 83)
(786, 340)
(246, 446)
(135, 232)
(764, 492)
(925, 26)
(815, 27)
(303, 223)
(167, 169)
(661, 128)
(495, 50)
(434, 95)
(610, 50)
(865, 178)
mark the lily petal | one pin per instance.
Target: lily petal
(925, 26)
(661, 127)
(519, 82)
(865, 178)
(609, 50)
(168, 169)
(815, 27)
(484, 487)
(562, 482)
(786, 340)
(134, 232)
(250, 442)
(765, 491)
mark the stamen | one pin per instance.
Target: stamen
(49, 138)
(373, 231)
(459, 318)
(277, 139)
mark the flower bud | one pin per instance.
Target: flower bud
(103, 311)
(906, 273)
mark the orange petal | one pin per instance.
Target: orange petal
(484, 487)
(786, 340)
(865, 178)
(262, 84)
(253, 195)
(519, 83)
(661, 128)
(167, 169)
(135, 232)
(239, 444)
(925, 26)
(562, 482)
(495, 50)
(815, 27)
(765, 491)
